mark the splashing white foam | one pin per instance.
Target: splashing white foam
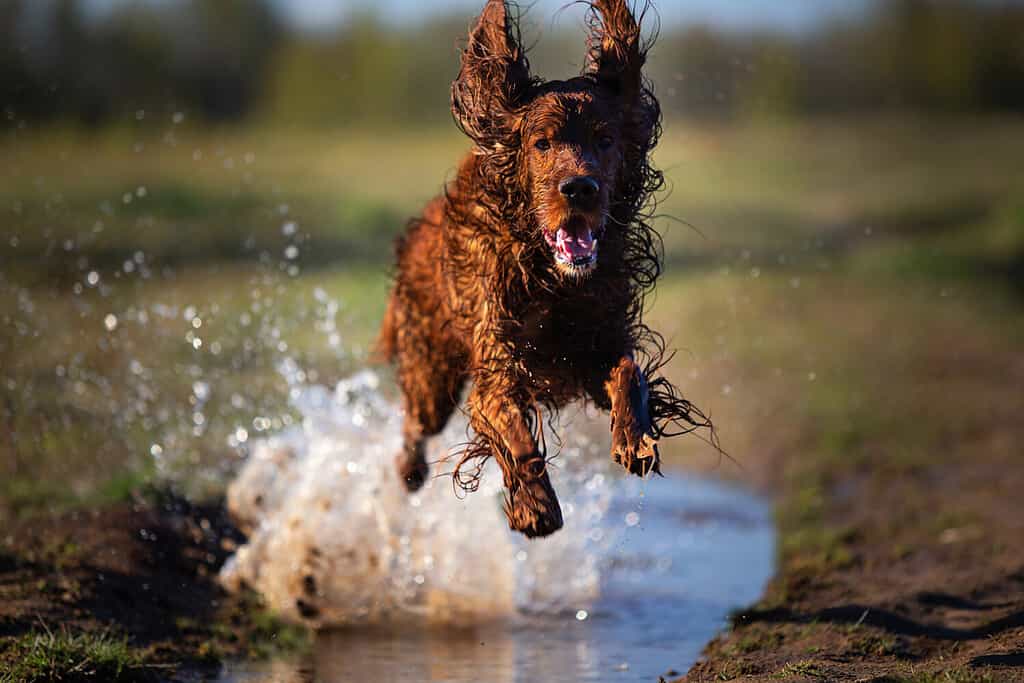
(335, 539)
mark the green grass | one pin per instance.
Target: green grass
(803, 669)
(270, 636)
(46, 656)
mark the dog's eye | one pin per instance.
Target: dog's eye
(605, 141)
(543, 144)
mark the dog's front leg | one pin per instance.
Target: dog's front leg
(503, 428)
(634, 444)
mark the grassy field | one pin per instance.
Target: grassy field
(274, 241)
(846, 298)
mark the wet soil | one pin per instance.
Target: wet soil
(144, 570)
(897, 568)
(952, 610)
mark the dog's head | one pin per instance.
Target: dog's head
(576, 151)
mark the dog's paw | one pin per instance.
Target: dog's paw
(412, 470)
(532, 508)
(634, 447)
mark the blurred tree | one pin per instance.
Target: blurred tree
(225, 49)
(14, 80)
(366, 73)
(224, 59)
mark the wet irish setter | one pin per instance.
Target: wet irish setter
(527, 277)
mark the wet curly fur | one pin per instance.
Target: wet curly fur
(500, 281)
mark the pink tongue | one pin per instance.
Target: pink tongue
(575, 246)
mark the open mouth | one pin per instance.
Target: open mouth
(574, 248)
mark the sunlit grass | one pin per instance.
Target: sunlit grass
(72, 656)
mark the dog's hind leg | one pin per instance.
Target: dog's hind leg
(431, 382)
(431, 387)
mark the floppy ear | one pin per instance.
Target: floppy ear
(494, 77)
(615, 56)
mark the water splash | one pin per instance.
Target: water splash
(335, 539)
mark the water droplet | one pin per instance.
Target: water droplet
(291, 252)
(632, 519)
(93, 278)
(582, 615)
(201, 390)
(110, 322)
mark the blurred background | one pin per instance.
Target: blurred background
(198, 200)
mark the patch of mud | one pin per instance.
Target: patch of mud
(145, 570)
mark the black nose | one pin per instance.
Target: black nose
(579, 190)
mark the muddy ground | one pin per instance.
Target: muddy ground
(893, 605)
(145, 571)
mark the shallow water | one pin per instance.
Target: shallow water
(434, 588)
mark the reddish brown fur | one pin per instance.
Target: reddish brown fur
(479, 296)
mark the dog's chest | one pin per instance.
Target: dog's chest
(562, 345)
